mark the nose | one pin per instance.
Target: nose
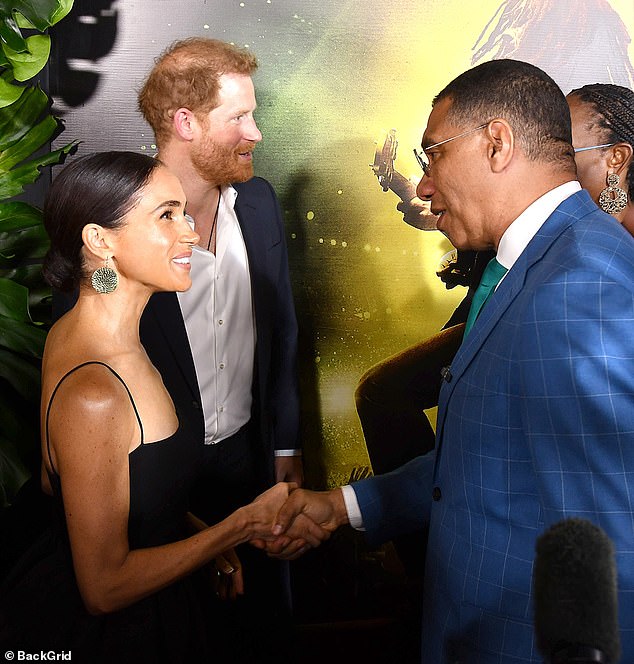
(189, 235)
(425, 188)
(251, 131)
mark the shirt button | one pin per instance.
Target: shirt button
(220, 322)
(222, 365)
(436, 494)
(221, 409)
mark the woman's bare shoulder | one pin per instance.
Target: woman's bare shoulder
(90, 407)
(88, 384)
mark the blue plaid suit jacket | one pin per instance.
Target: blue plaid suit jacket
(536, 424)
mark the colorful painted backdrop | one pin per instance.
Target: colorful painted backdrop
(334, 77)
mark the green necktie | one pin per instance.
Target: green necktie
(491, 276)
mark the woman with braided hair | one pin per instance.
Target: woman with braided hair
(603, 136)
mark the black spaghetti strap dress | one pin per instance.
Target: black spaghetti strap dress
(40, 605)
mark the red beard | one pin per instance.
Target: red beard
(220, 165)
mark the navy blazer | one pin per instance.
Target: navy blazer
(275, 389)
(535, 424)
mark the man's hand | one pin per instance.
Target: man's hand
(289, 469)
(301, 536)
(306, 519)
(326, 509)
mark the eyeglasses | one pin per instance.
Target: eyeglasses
(594, 147)
(419, 155)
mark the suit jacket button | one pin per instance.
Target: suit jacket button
(195, 405)
(436, 494)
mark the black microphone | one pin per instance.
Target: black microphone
(575, 593)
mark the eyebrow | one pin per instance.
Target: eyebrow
(167, 204)
(240, 110)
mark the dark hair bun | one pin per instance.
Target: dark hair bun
(98, 188)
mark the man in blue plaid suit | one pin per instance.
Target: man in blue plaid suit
(536, 415)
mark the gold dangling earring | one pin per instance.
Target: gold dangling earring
(104, 279)
(613, 199)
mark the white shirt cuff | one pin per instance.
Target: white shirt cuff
(352, 507)
(287, 453)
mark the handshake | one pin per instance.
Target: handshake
(287, 521)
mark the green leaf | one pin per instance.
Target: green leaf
(19, 117)
(33, 140)
(22, 373)
(63, 9)
(24, 22)
(12, 471)
(29, 276)
(9, 93)
(16, 216)
(32, 234)
(22, 239)
(9, 30)
(25, 125)
(14, 301)
(13, 182)
(30, 244)
(42, 13)
(40, 299)
(21, 339)
(8, 416)
(26, 64)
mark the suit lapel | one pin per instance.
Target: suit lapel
(572, 209)
(163, 317)
(252, 230)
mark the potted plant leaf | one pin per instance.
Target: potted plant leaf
(26, 129)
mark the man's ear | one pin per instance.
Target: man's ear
(185, 123)
(501, 144)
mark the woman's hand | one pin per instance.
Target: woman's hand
(262, 512)
(228, 578)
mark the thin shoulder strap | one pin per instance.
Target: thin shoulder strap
(62, 379)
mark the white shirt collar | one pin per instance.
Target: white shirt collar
(227, 194)
(517, 236)
(230, 193)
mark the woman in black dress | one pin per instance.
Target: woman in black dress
(113, 579)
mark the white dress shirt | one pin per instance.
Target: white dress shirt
(512, 243)
(220, 323)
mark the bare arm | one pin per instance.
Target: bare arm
(93, 430)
